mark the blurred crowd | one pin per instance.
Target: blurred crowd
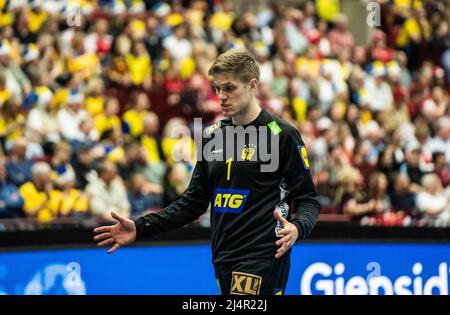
(92, 93)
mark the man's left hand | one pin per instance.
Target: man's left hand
(289, 233)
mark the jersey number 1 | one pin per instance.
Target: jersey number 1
(229, 168)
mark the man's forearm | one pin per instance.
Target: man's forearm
(306, 219)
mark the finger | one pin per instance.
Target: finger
(283, 232)
(278, 216)
(279, 255)
(282, 240)
(113, 249)
(106, 243)
(282, 250)
(118, 217)
(102, 236)
(102, 229)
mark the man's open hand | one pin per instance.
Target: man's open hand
(120, 234)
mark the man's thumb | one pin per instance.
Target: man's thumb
(278, 216)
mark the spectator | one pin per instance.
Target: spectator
(18, 166)
(441, 141)
(60, 162)
(12, 118)
(94, 100)
(138, 108)
(42, 200)
(378, 185)
(140, 66)
(70, 118)
(108, 119)
(401, 195)
(42, 124)
(140, 198)
(16, 80)
(11, 202)
(177, 45)
(411, 166)
(83, 166)
(73, 201)
(175, 182)
(340, 37)
(379, 93)
(107, 192)
(432, 202)
(351, 197)
(441, 168)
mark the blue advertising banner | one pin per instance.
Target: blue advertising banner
(315, 269)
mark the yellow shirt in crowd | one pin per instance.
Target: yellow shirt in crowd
(411, 31)
(103, 123)
(57, 203)
(328, 9)
(36, 20)
(134, 120)
(171, 147)
(94, 105)
(222, 21)
(34, 198)
(140, 67)
(150, 146)
(75, 200)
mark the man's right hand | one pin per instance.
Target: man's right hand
(120, 234)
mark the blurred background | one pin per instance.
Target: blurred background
(92, 90)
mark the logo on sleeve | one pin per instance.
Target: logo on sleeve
(229, 200)
(273, 126)
(304, 156)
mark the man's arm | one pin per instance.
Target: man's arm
(191, 204)
(300, 184)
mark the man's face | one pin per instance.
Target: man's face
(20, 149)
(109, 173)
(234, 96)
(41, 180)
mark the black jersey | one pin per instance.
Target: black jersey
(243, 189)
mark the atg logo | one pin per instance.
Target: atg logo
(229, 200)
(321, 278)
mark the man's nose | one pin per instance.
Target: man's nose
(222, 95)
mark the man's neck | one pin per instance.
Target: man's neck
(250, 115)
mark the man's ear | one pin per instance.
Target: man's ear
(253, 85)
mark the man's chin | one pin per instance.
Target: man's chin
(227, 113)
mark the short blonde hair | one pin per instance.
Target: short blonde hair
(239, 63)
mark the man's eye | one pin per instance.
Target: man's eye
(229, 89)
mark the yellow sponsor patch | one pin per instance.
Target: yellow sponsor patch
(245, 283)
(304, 156)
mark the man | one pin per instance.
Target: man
(42, 200)
(19, 166)
(107, 191)
(11, 202)
(252, 232)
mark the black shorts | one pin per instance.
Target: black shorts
(253, 276)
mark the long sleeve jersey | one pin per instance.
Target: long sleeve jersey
(245, 176)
